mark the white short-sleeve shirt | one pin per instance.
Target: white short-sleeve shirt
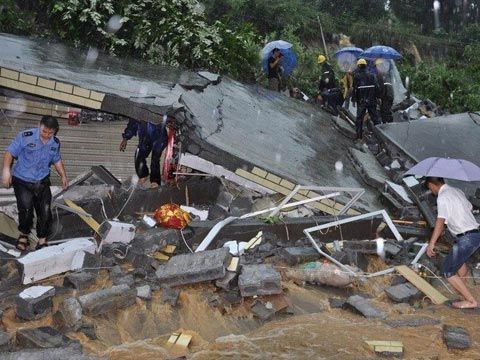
(453, 206)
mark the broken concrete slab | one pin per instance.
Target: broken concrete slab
(228, 282)
(298, 255)
(211, 77)
(413, 322)
(194, 268)
(368, 167)
(5, 341)
(71, 352)
(170, 295)
(337, 303)
(41, 337)
(365, 307)
(151, 241)
(34, 302)
(262, 310)
(456, 337)
(116, 232)
(80, 281)
(53, 260)
(128, 280)
(144, 292)
(105, 300)
(259, 280)
(69, 315)
(402, 292)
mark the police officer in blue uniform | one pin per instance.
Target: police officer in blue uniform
(152, 138)
(32, 152)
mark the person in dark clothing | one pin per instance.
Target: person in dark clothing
(385, 90)
(152, 138)
(330, 93)
(274, 70)
(32, 152)
(364, 94)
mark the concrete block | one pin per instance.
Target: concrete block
(262, 310)
(170, 296)
(364, 307)
(413, 322)
(41, 337)
(79, 281)
(144, 292)
(153, 240)
(336, 303)
(53, 260)
(69, 315)
(456, 337)
(34, 302)
(105, 300)
(128, 280)
(194, 268)
(259, 280)
(228, 282)
(297, 255)
(71, 352)
(5, 341)
(402, 292)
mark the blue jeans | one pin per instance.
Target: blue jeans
(460, 253)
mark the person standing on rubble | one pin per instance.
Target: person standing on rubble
(328, 92)
(152, 138)
(455, 211)
(364, 95)
(31, 153)
(385, 88)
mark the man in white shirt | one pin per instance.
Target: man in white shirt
(455, 211)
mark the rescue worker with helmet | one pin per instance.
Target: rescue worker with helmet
(364, 94)
(328, 90)
(385, 88)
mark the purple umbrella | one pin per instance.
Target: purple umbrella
(456, 169)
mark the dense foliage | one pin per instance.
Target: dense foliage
(226, 35)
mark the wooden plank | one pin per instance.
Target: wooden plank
(88, 220)
(436, 297)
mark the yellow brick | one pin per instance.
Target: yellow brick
(81, 92)
(24, 87)
(66, 88)
(96, 96)
(92, 104)
(259, 172)
(9, 74)
(43, 92)
(274, 178)
(303, 192)
(287, 184)
(49, 84)
(5, 82)
(28, 79)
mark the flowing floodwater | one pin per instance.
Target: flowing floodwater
(313, 331)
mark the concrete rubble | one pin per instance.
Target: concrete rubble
(108, 256)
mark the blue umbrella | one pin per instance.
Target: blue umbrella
(381, 51)
(289, 58)
(348, 50)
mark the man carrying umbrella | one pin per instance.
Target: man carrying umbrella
(385, 87)
(274, 71)
(455, 211)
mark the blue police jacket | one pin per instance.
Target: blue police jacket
(147, 132)
(32, 157)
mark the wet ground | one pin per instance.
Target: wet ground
(313, 331)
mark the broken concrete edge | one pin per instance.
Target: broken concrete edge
(53, 260)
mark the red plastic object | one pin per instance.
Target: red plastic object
(73, 118)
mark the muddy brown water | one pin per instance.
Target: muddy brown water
(313, 331)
